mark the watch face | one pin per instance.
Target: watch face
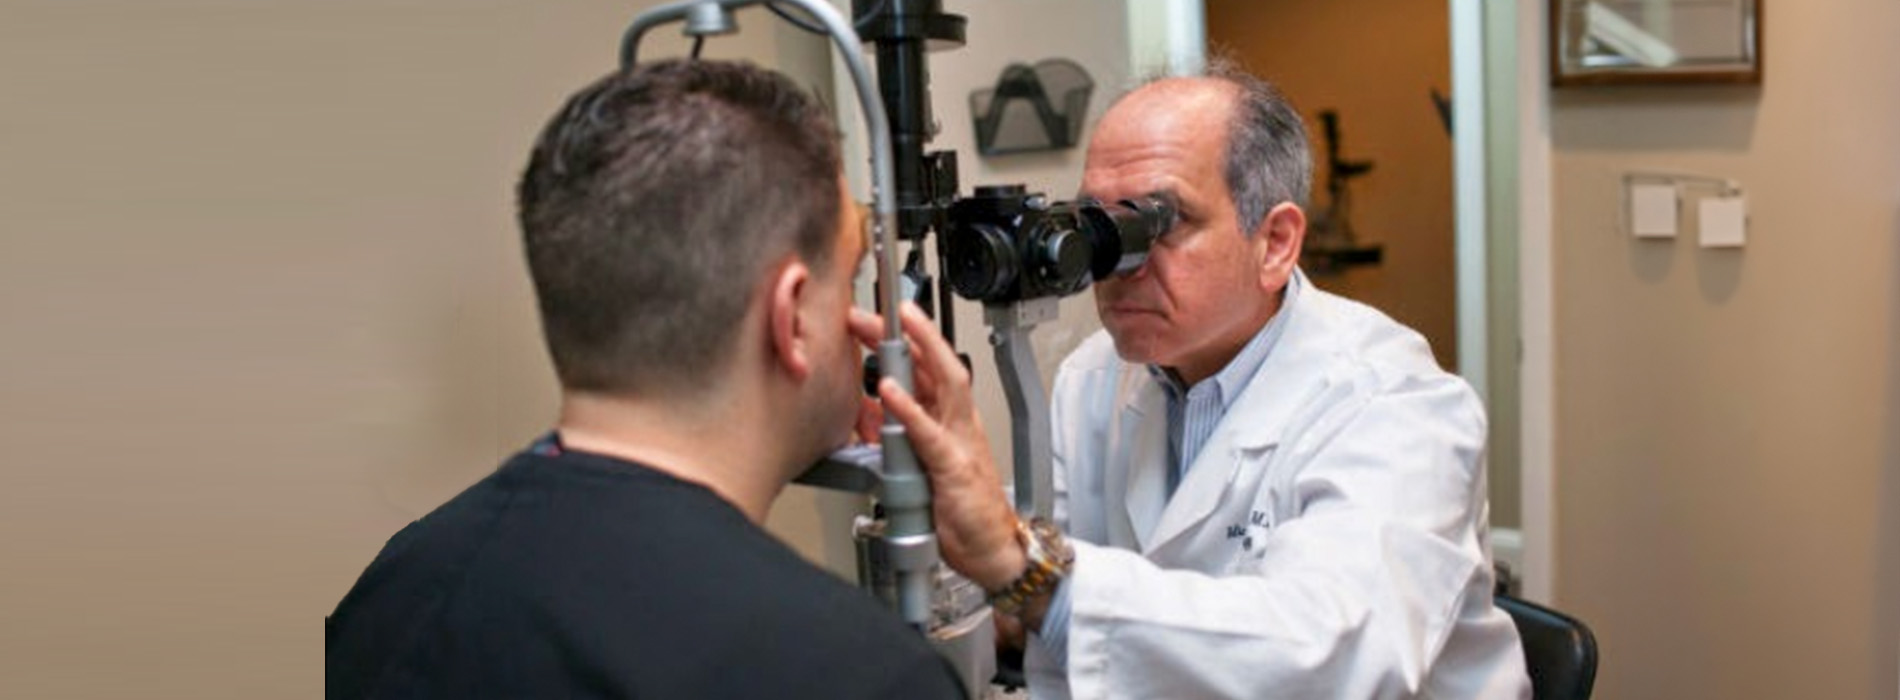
(1050, 558)
(1051, 539)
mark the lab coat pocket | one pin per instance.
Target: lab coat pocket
(1249, 548)
(1251, 521)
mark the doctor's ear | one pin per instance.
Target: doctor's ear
(1283, 233)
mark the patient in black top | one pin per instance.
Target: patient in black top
(692, 248)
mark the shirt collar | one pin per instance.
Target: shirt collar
(1229, 382)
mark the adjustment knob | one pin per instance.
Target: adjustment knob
(1062, 260)
(982, 263)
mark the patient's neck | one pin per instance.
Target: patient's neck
(700, 440)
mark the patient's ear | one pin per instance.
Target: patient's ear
(787, 322)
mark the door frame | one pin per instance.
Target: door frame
(1499, 88)
(1502, 236)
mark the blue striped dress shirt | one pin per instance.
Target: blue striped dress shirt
(1193, 413)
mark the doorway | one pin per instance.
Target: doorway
(1443, 222)
(1366, 75)
(1501, 188)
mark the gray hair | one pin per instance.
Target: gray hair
(1268, 159)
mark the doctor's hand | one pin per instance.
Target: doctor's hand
(976, 526)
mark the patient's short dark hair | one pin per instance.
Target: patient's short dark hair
(651, 206)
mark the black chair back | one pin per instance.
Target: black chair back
(1559, 650)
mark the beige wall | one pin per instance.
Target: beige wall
(1375, 62)
(1728, 421)
(261, 305)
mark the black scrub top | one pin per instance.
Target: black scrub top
(566, 574)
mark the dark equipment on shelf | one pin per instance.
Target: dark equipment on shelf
(1331, 244)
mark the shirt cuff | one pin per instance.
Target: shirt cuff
(1054, 635)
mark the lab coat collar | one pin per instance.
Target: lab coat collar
(1233, 379)
(1287, 379)
(1144, 431)
(1147, 396)
(1289, 376)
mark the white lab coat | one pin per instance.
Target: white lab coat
(1329, 541)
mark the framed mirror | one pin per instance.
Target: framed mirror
(1599, 42)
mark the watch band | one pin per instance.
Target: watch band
(1050, 559)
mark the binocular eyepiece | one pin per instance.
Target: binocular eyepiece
(1007, 245)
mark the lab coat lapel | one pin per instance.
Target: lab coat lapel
(1143, 433)
(1200, 491)
(1292, 374)
(1249, 431)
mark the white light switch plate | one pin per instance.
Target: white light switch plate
(1653, 211)
(1724, 222)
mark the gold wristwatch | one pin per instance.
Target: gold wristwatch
(1050, 558)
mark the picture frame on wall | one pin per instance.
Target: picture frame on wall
(1611, 42)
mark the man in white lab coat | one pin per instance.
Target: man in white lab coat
(1266, 490)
